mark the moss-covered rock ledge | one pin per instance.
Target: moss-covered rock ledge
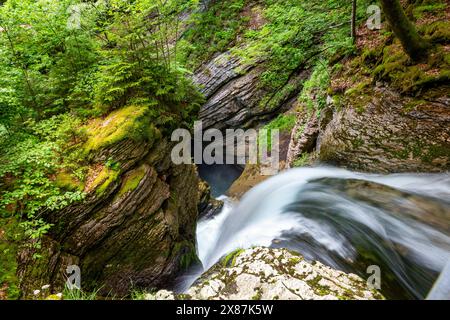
(272, 274)
(136, 226)
(383, 112)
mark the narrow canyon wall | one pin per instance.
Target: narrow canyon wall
(136, 231)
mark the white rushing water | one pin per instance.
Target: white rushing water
(292, 204)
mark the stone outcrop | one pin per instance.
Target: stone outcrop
(271, 274)
(137, 230)
(389, 134)
(250, 177)
(207, 206)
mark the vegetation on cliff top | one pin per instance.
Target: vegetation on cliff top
(282, 37)
(381, 58)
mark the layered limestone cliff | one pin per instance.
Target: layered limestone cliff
(135, 227)
(384, 113)
(235, 98)
(387, 136)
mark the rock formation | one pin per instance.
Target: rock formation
(272, 274)
(138, 230)
(234, 94)
(385, 136)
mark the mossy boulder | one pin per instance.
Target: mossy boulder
(121, 138)
(131, 122)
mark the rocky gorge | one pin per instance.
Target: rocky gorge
(137, 226)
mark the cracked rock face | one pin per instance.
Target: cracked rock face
(271, 274)
(387, 136)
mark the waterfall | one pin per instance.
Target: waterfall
(347, 220)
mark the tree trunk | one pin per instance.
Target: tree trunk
(414, 45)
(354, 21)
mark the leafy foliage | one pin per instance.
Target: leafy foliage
(28, 165)
(65, 62)
(314, 90)
(10, 236)
(296, 34)
(212, 31)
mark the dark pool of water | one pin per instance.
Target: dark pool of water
(220, 177)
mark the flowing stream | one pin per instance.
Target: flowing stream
(346, 220)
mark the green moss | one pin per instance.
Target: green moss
(346, 295)
(230, 259)
(315, 89)
(187, 254)
(371, 55)
(318, 289)
(184, 296)
(425, 151)
(66, 181)
(132, 122)
(358, 89)
(431, 8)
(357, 142)
(104, 179)
(131, 181)
(394, 59)
(359, 96)
(273, 100)
(431, 81)
(446, 58)
(295, 260)
(433, 152)
(258, 294)
(412, 78)
(437, 32)
(283, 123)
(302, 161)
(413, 104)
(10, 235)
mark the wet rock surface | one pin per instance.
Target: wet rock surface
(303, 137)
(208, 206)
